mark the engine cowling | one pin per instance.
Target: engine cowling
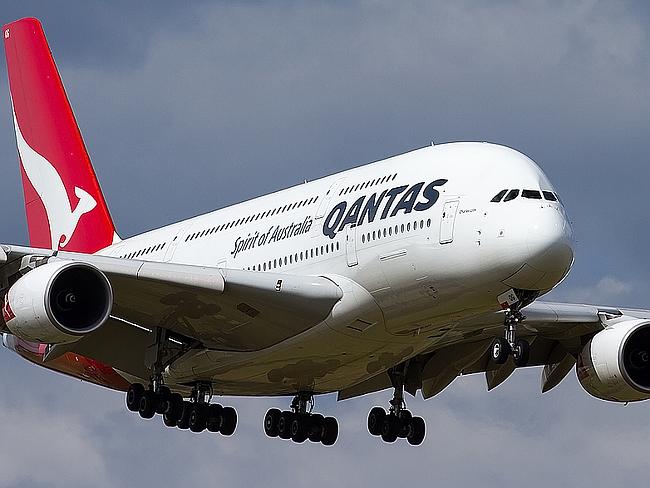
(58, 302)
(615, 364)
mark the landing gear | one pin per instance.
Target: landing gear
(503, 347)
(299, 424)
(196, 415)
(398, 422)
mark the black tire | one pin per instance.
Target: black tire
(300, 428)
(163, 395)
(521, 353)
(390, 428)
(215, 417)
(417, 431)
(174, 406)
(271, 420)
(284, 425)
(169, 421)
(198, 417)
(500, 350)
(376, 420)
(183, 422)
(330, 431)
(148, 402)
(316, 427)
(133, 395)
(228, 421)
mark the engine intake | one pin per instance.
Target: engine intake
(59, 302)
(615, 364)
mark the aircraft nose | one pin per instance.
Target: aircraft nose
(548, 242)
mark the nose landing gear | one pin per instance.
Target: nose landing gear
(503, 347)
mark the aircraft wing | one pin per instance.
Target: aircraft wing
(224, 309)
(557, 333)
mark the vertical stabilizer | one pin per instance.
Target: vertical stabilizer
(63, 201)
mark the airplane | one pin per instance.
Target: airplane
(400, 274)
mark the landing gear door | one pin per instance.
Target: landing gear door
(448, 221)
(351, 246)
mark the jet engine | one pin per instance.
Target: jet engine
(58, 302)
(615, 364)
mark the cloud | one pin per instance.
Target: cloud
(605, 291)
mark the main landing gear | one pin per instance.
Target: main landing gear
(398, 422)
(503, 347)
(196, 415)
(299, 424)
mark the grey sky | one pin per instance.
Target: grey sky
(187, 109)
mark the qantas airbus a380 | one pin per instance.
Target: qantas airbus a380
(403, 274)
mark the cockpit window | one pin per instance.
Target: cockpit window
(534, 194)
(497, 198)
(550, 196)
(512, 194)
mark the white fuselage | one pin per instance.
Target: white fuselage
(417, 238)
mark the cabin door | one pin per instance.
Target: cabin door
(447, 221)
(351, 246)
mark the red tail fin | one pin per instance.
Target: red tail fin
(64, 203)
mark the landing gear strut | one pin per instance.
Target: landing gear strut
(300, 424)
(502, 347)
(398, 422)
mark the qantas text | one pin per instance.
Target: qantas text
(417, 197)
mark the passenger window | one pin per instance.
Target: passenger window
(497, 198)
(512, 194)
(534, 194)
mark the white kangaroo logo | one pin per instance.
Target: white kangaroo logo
(63, 219)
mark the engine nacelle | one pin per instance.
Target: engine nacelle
(58, 302)
(615, 364)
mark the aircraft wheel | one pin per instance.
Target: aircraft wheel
(500, 350)
(521, 353)
(330, 431)
(183, 422)
(133, 395)
(316, 427)
(271, 420)
(215, 417)
(284, 425)
(390, 429)
(376, 420)
(228, 421)
(300, 428)
(198, 417)
(148, 402)
(417, 430)
(169, 421)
